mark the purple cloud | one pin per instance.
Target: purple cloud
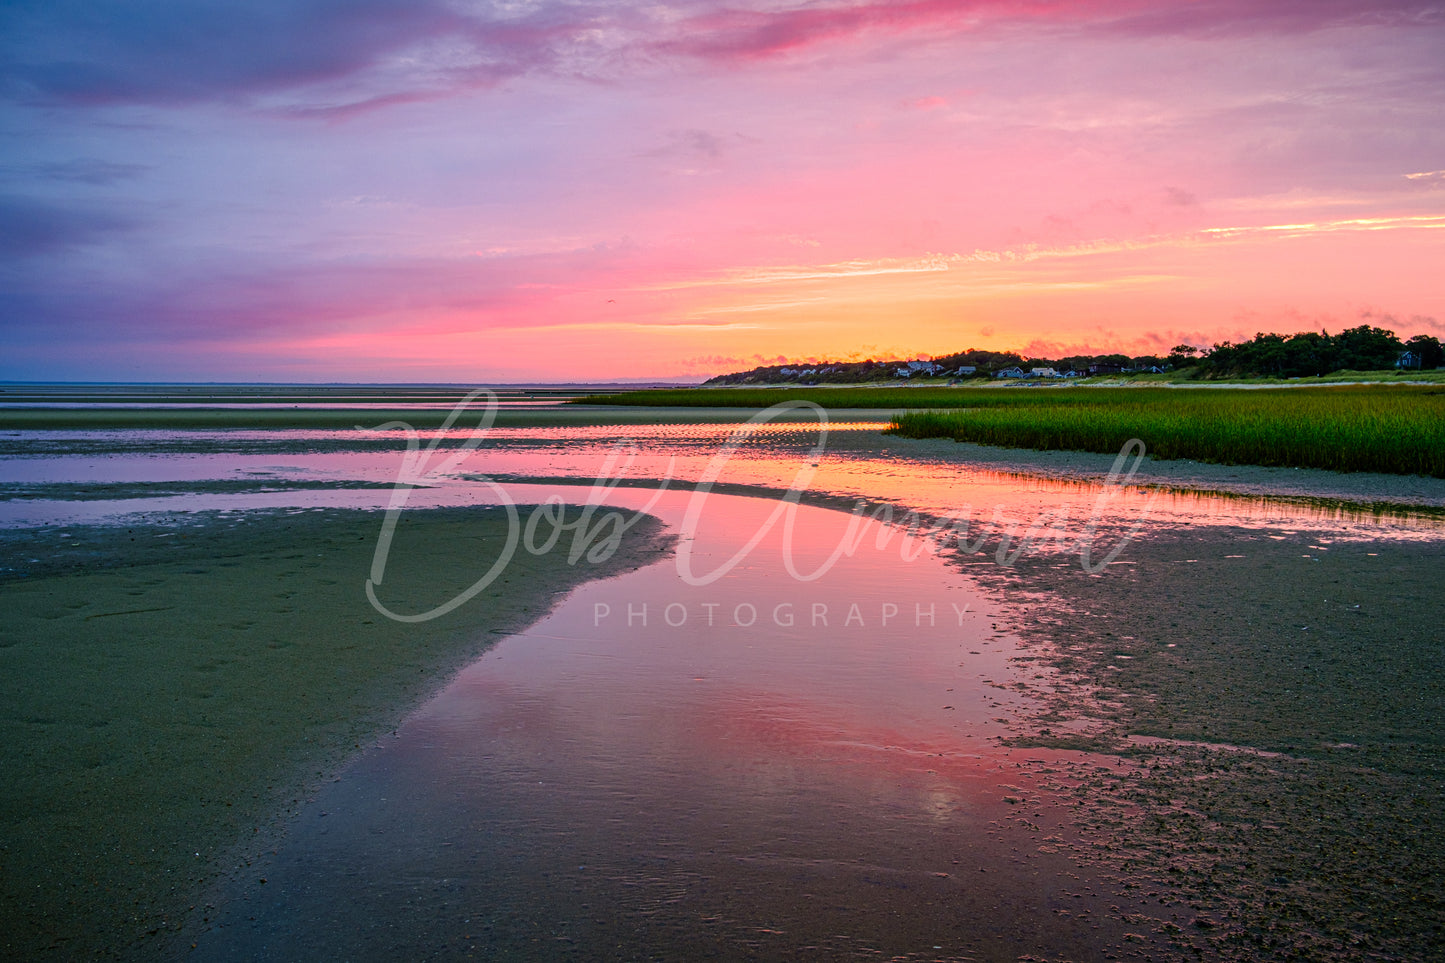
(1237, 17)
(29, 228)
(84, 52)
(91, 171)
(352, 55)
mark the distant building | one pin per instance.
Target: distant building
(1009, 373)
(1103, 369)
(919, 367)
(1044, 373)
(966, 369)
(1410, 359)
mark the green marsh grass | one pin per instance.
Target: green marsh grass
(1395, 430)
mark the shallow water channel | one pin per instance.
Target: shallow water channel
(668, 770)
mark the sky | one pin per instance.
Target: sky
(536, 190)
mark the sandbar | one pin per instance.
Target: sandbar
(174, 690)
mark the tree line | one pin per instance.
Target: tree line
(1363, 348)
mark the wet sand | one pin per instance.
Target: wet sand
(174, 690)
(1282, 696)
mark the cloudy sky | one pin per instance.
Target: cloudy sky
(464, 190)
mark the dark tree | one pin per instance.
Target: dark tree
(1427, 348)
(1183, 355)
(1367, 348)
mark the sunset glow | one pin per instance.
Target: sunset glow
(456, 190)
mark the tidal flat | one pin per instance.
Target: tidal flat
(174, 688)
(1223, 746)
(1280, 696)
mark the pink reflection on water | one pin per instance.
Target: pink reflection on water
(872, 632)
(665, 766)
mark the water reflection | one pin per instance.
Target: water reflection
(680, 454)
(662, 770)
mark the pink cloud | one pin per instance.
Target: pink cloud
(742, 34)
